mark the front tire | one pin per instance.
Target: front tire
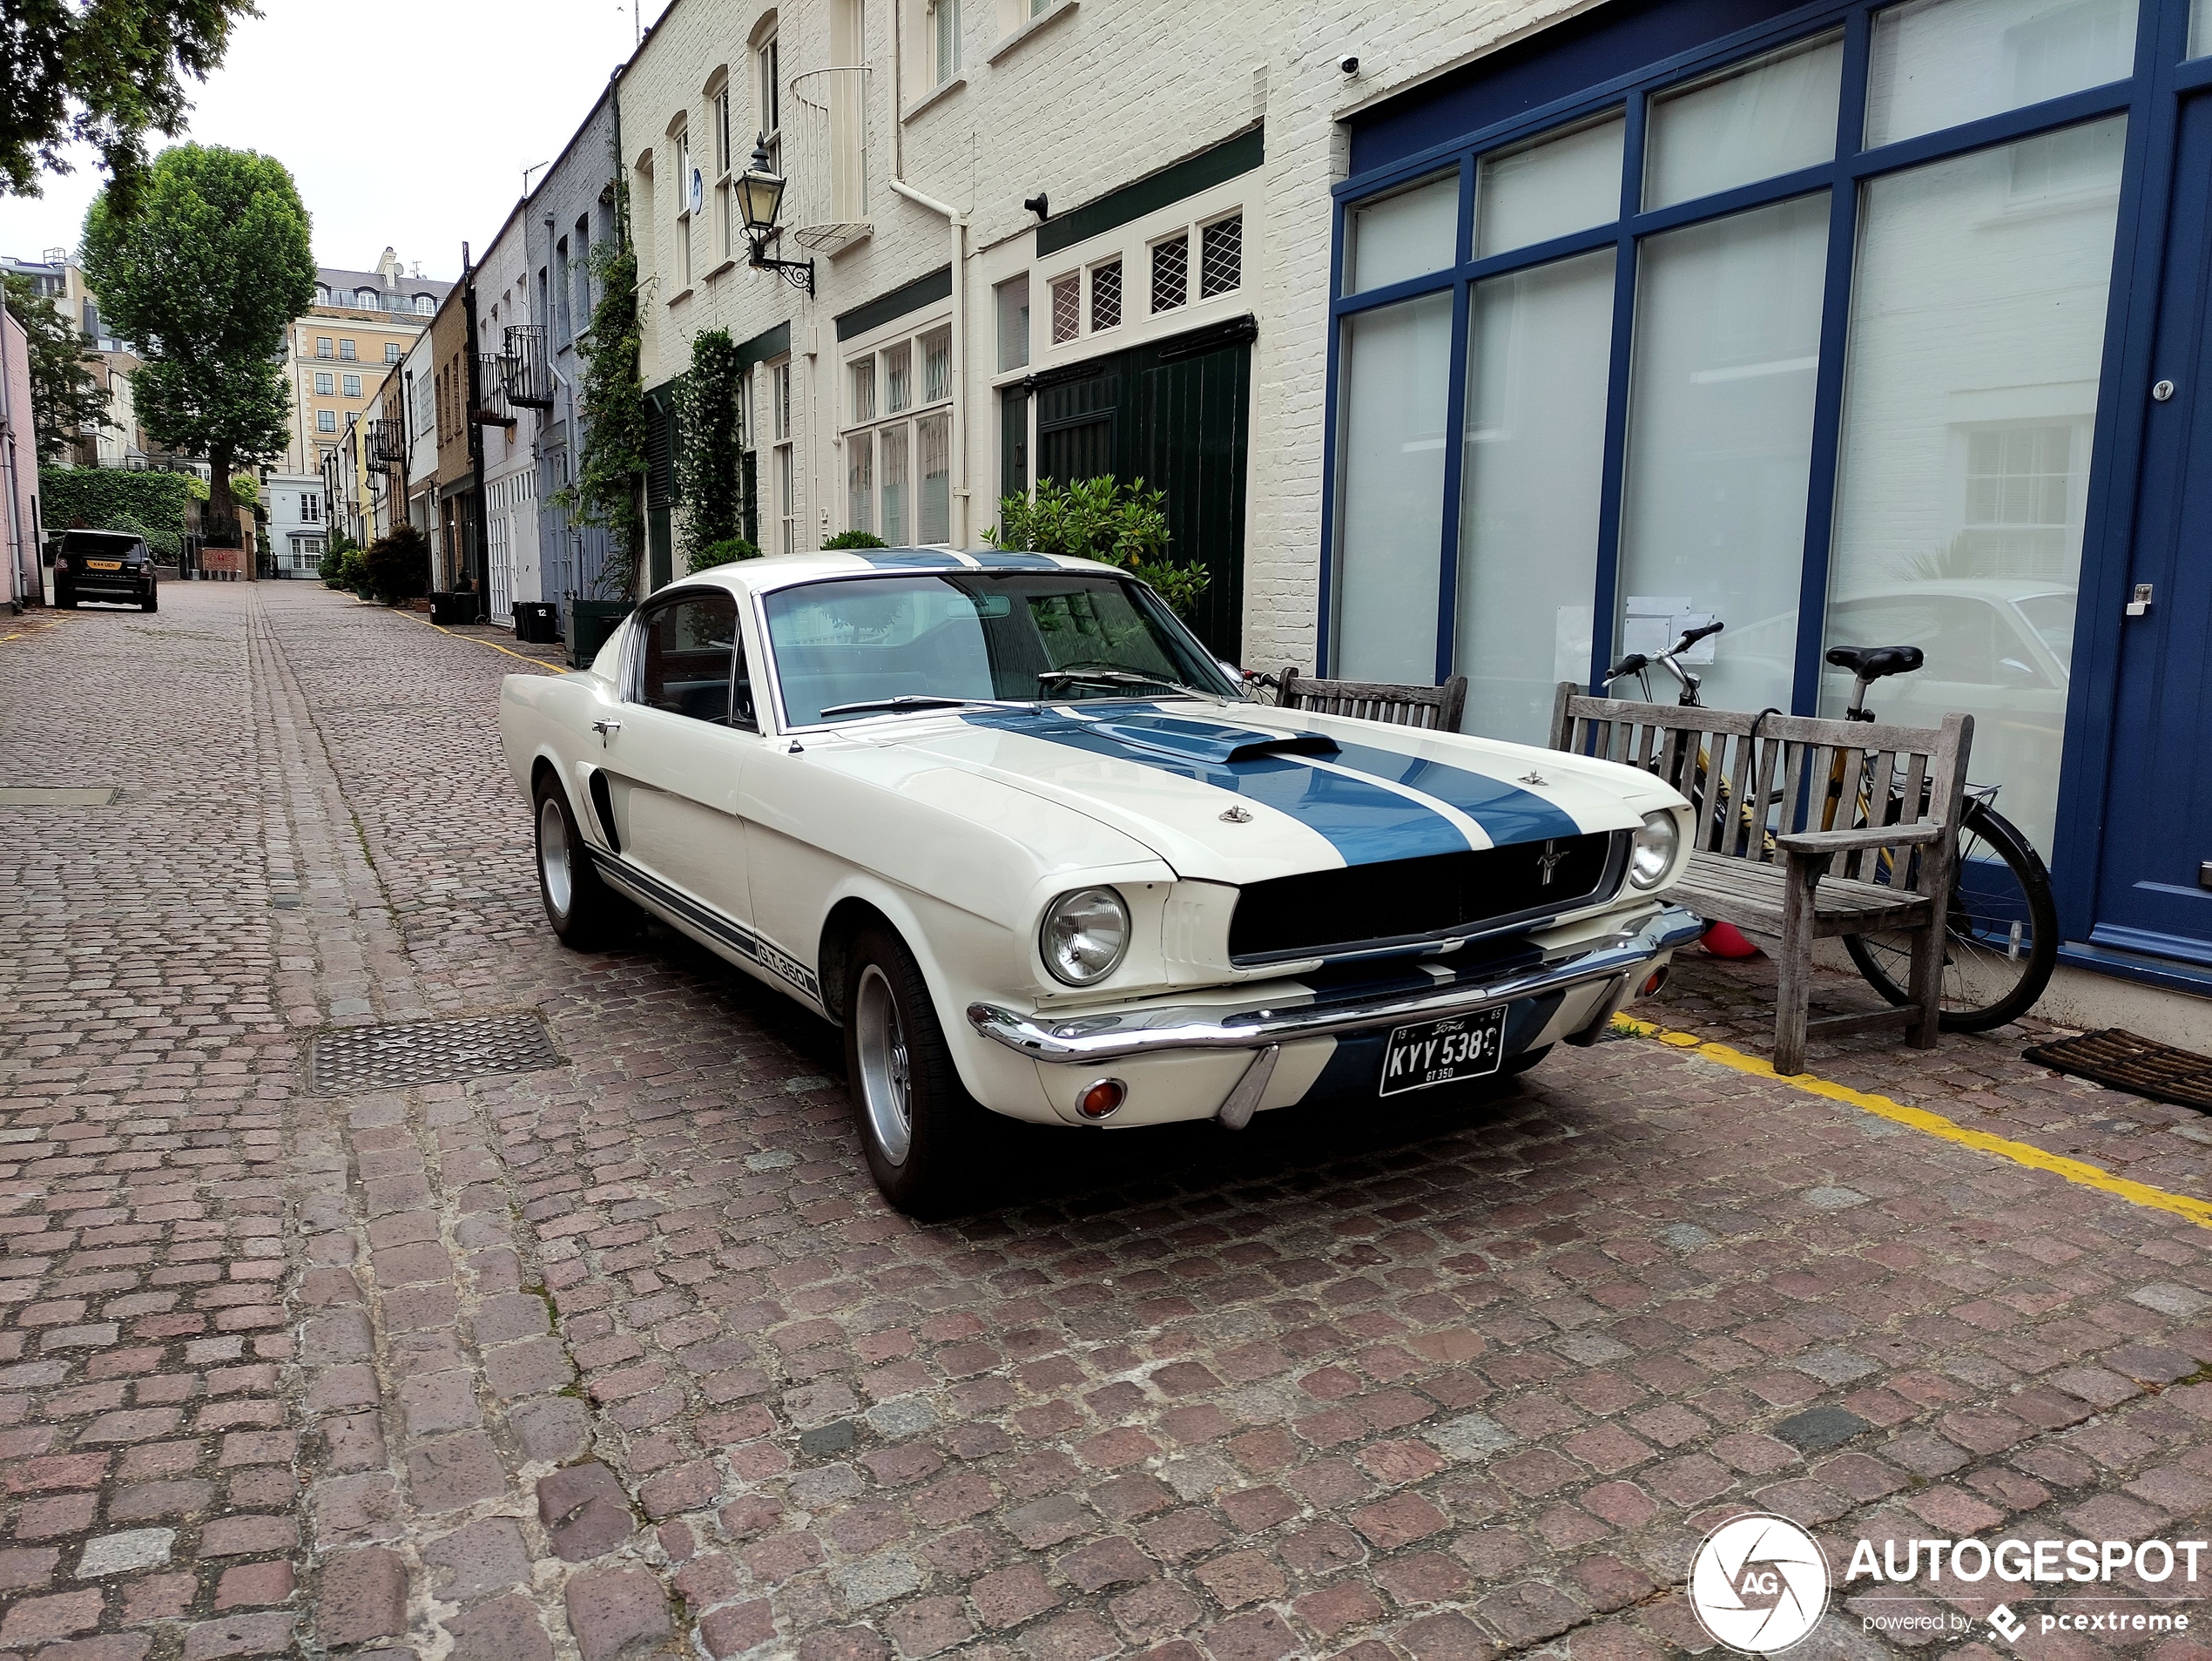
(585, 913)
(920, 1128)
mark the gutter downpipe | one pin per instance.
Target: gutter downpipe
(957, 222)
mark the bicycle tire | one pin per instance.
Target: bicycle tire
(1983, 988)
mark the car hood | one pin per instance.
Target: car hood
(1242, 793)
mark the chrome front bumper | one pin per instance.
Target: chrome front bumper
(1151, 1029)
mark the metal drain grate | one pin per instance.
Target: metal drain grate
(430, 1052)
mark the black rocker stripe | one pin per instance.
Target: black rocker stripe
(736, 936)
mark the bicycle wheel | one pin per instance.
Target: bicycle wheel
(2001, 938)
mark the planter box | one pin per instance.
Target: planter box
(589, 624)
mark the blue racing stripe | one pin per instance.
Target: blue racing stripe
(1364, 823)
(909, 559)
(1013, 559)
(1506, 812)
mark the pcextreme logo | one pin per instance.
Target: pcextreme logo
(1758, 1583)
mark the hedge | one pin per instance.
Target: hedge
(108, 498)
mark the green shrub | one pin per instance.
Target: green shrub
(398, 565)
(353, 572)
(108, 498)
(728, 551)
(854, 539)
(1102, 519)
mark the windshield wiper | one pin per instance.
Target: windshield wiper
(915, 700)
(1109, 677)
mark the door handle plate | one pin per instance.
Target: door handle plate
(2138, 606)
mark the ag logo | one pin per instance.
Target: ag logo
(1758, 1583)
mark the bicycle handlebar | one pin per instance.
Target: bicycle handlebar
(1628, 666)
(1693, 636)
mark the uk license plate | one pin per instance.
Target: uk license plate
(103, 564)
(1443, 1052)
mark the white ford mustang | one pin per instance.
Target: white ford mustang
(1004, 818)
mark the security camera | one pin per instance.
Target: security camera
(1349, 65)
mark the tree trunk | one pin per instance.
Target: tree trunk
(222, 506)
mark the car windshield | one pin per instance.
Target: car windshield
(865, 646)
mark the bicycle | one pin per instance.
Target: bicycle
(2001, 929)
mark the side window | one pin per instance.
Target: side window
(689, 652)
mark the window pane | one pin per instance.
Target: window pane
(898, 377)
(2200, 28)
(936, 365)
(1066, 309)
(1760, 120)
(1538, 348)
(860, 481)
(1720, 437)
(1394, 370)
(1965, 455)
(1221, 256)
(1106, 296)
(1407, 234)
(1013, 296)
(896, 530)
(1172, 273)
(1549, 188)
(1937, 63)
(864, 390)
(933, 442)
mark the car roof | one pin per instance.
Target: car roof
(785, 570)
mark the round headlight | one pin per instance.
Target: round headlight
(1654, 852)
(1084, 936)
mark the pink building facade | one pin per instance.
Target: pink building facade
(21, 582)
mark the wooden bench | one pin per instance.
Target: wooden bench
(1774, 872)
(1438, 708)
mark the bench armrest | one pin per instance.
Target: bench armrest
(1844, 842)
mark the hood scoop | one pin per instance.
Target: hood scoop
(1207, 742)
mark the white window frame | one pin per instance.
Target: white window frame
(783, 465)
(768, 76)
(919, 410)
(681, 140)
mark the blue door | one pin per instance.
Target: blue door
(2155, 888)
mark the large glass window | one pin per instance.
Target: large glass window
(1720, 441)
(1965, 458)
(1561, 183)
(1935, 64)
(899, 435)
(1407, 234)
(1394, 368)
(1758, 120)
(1534, 457)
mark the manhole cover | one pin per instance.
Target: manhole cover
(430, 1052)
(58, 795)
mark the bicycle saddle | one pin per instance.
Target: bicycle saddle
(1871, 663)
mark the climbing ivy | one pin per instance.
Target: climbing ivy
(707, 488)
(610, 463)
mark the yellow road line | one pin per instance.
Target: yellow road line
(522, 656)
(1919, 1118)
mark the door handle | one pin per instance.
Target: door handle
(602, 727)
(2138, 606)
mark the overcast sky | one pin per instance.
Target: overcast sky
(406, 123)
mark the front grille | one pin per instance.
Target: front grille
(1400, 902)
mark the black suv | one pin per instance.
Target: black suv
(104, 565)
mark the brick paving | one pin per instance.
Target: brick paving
(625, 1357)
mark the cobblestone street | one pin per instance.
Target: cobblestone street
(623, 1355)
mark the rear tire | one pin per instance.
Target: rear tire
(152, 603)
(922, 1133)
(65, 597)
(585, 913)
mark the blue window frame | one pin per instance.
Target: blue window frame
(1528, 83)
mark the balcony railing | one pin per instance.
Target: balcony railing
(827, 157)
(387, 446)
(492, 408)
(522, 369)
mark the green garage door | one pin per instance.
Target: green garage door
(1175, 415)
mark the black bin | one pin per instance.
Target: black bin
(453, 607)
(537, 621)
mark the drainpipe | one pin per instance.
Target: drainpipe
(957, 223)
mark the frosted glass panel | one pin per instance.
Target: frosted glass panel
(1549, 188)
(1409, 235)
(1720, 439)
(1394, 368)
(1977, 332)
(1764, 118)
(1937, 63)
(1538, 345)
(2200, 28)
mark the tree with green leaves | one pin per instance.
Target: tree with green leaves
(65, 399)
(1103, 519)
(205, 277)
(707, 484)
(611, 461)
(102, 72)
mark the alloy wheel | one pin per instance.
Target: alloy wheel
(886, 1082)
(553, 856)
